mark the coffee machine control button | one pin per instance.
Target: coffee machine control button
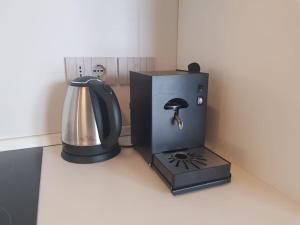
(200, 88)
(200, 100)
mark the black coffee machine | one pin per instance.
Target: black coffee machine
(168, 117)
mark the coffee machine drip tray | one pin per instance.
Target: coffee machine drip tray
(191, 169)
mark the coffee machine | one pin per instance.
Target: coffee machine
(168, 118)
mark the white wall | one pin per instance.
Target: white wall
(252, 51)
(37, 34)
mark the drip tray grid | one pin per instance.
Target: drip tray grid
(191, 169)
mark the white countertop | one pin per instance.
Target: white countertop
(125, 190)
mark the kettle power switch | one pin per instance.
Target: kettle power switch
(200, 100)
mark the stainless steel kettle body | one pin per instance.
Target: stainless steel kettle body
(91, 121)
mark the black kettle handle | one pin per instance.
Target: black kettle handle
(107, 95)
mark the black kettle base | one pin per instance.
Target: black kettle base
(89, 156)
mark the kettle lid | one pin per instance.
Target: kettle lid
(83, 81)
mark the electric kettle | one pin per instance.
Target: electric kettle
(91, 121)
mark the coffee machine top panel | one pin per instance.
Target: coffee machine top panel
(171, 73)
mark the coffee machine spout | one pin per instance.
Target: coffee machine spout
(178, 120)
(176, 104)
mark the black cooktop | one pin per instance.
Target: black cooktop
(19, 186)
